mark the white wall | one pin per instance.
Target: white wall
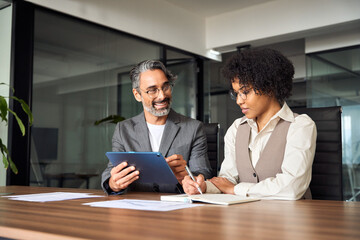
(5, 40)
(280, 20)
(155, 20)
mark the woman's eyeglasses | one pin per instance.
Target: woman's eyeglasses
(243, 94)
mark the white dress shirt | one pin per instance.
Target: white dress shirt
(155, 135)
(295, 178)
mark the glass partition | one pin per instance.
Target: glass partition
(184, 94)
(333, 79)
(80, 76)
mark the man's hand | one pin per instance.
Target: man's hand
(223, 184)
(122, 176)
(177, 165)
(190, 187)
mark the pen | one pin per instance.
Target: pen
(192, 177)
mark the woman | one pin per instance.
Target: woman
(268, 152)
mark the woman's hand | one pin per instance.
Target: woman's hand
(223, 184)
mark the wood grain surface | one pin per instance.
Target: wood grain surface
(265, 219)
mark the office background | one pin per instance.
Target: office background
(70, 60)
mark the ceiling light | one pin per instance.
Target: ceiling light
(212, 51)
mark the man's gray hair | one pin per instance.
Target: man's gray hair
(149, 65)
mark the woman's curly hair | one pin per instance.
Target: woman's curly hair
(266, 70)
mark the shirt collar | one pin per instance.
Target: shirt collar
(284, 113)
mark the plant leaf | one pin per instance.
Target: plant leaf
(7, 158)
(3, 150)
(21, 125)
(26, 109)
(12, 164)
(3, 114)
(111, 118)
(3, 109)
(5, 161)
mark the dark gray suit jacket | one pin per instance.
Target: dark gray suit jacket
(182, 135)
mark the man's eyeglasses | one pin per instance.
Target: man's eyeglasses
(154, 92)
(243, 94)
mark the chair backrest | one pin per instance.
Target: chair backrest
(326, 180)
(212, 135)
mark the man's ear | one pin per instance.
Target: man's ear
(136, 95)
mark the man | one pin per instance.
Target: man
(180, 139)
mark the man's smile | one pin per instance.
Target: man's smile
(161, 104)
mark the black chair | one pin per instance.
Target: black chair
(212, 135)
(326, 180)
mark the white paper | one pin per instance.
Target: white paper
(223, 199)
(49, 197)
(176, 198)
(147, 205)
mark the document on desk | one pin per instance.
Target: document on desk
(147, 205)
(222, 199)
(50, 197)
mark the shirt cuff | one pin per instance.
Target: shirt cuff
(242, 189)
(118, 193)
(211, 188)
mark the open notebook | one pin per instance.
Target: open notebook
(223, 199)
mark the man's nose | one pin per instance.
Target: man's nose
(161, 94)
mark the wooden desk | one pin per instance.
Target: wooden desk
(266, 219)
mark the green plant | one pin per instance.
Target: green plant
(4, 110)
(111, 119)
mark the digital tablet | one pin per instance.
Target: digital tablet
(152, 166)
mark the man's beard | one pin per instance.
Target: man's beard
(158, 112)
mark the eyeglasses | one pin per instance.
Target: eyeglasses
(154, 92)
(243, 94)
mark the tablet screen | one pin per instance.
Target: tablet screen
(152, 166)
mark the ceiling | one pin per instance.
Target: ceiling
(59, 56)
(208, 8)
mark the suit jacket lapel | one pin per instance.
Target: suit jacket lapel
(170, 131)
(142, 133)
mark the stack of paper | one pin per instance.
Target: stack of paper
(49, 197)
(147, 205)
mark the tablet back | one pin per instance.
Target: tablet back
(152, 166)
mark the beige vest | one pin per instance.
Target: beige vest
(271, 158)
